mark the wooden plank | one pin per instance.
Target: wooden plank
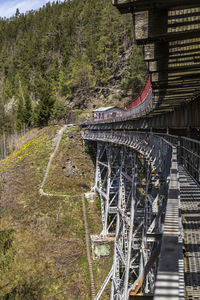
(141, 25)
(149, 51)
(126, 6)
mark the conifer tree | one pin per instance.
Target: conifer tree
(20, 114)
(45, 106)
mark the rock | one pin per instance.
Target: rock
(72, 134)
(69, 168)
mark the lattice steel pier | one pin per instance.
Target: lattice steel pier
(138, 182)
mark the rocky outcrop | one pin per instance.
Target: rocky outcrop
(69, 168)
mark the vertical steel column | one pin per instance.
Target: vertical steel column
(107, 184)
(124, 228)
(99, 181)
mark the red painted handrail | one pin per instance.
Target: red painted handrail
(142, 96)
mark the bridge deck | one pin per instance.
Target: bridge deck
(190, 208)
(169, 31)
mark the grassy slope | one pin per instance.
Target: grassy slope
(42, 246)
(82, 180)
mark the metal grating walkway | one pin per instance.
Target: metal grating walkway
(190, 208)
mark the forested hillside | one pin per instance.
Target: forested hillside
(62, 57)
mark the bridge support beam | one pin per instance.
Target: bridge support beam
(107, 184)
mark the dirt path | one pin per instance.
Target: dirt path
(57, 141)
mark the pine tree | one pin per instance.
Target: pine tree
(20, 114)
(28, 110)
(17, 13)
(44, 107)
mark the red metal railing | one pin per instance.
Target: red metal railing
(133, 107)
(142, 96)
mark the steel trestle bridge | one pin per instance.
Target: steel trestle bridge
(148, 181)
(144, 186)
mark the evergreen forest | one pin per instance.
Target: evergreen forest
(51, 57)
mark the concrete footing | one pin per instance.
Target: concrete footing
(91, 196)
(101, 246)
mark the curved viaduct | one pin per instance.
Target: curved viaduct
(148, 179)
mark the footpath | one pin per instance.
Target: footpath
(57, 141)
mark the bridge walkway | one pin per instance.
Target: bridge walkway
(190, 209)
